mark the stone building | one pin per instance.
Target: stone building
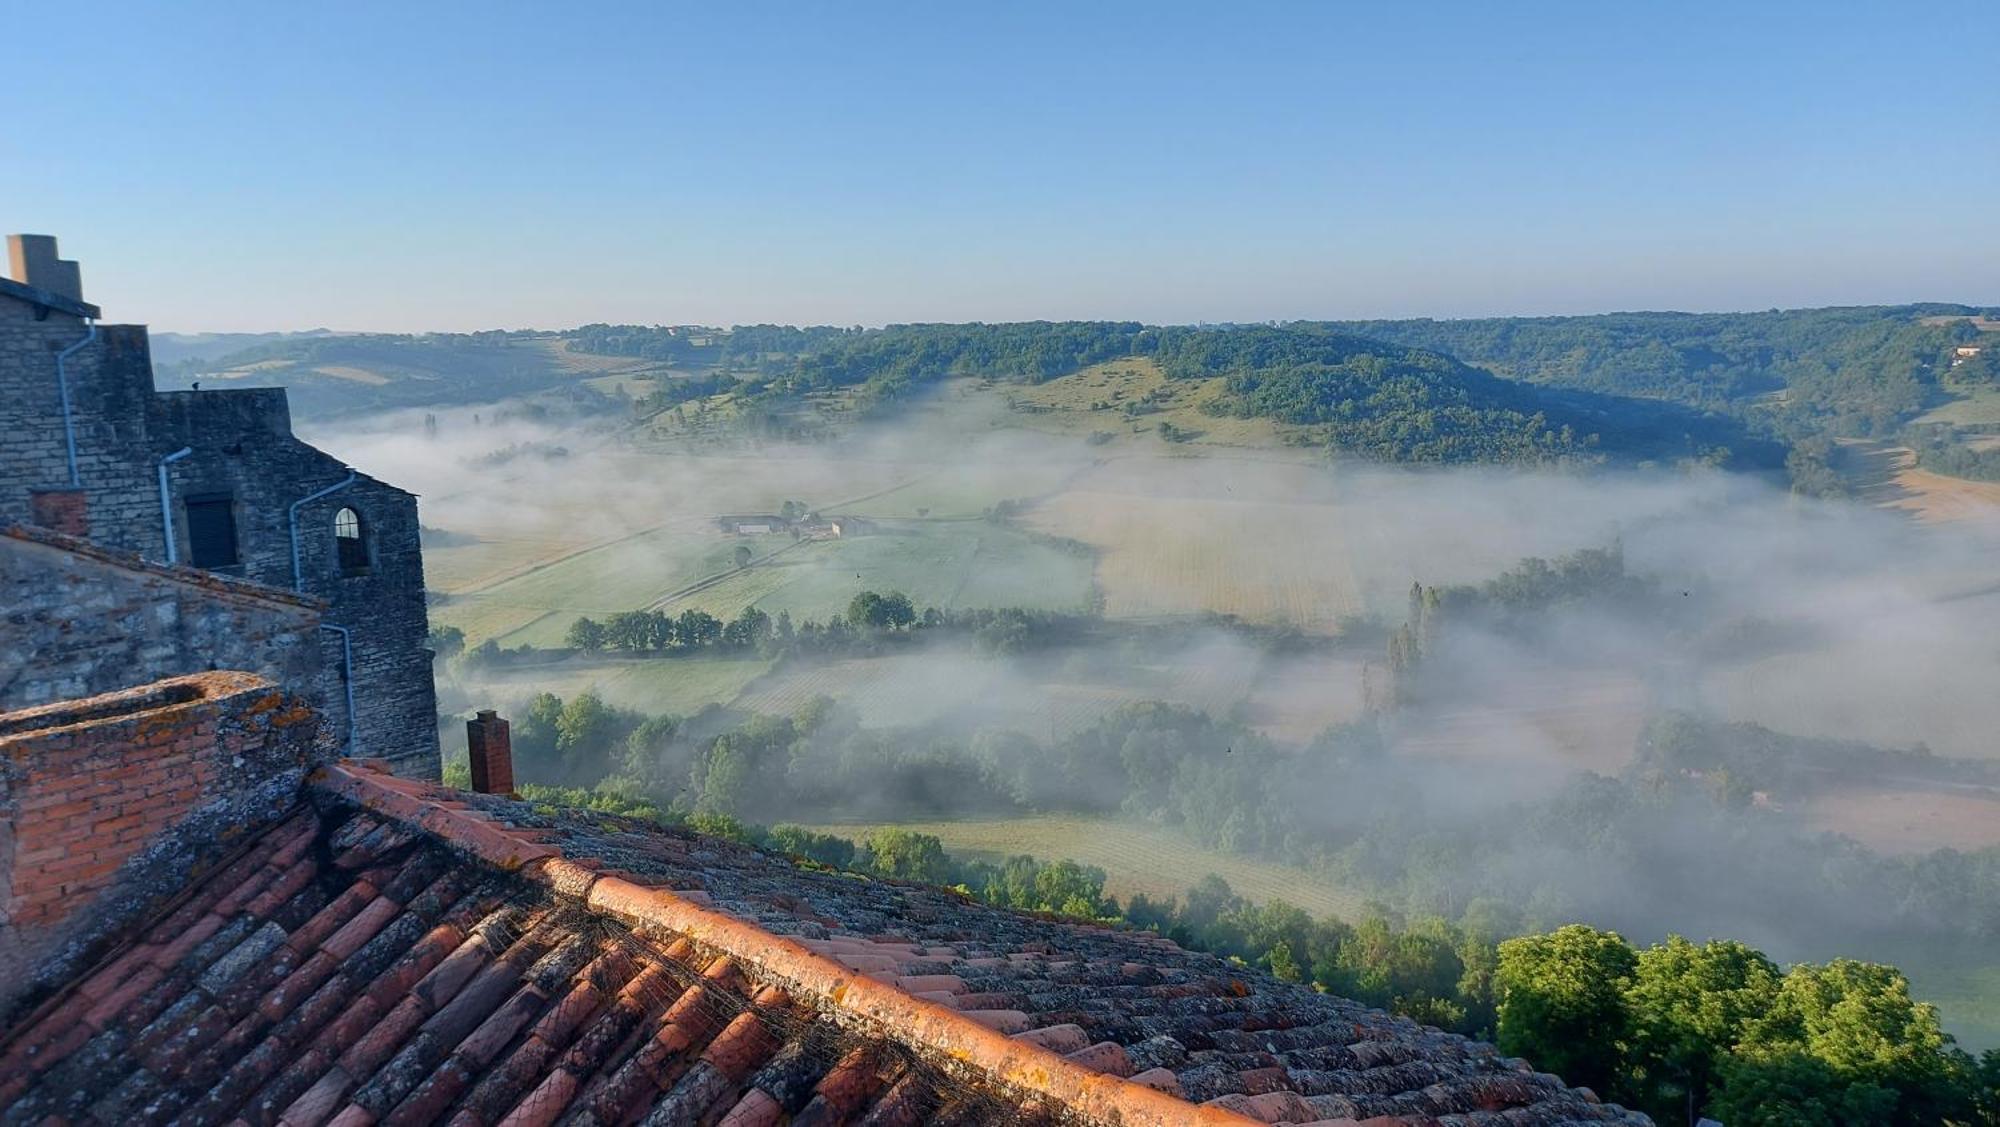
(215, 480)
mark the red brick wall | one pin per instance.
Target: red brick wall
(108, 803)
(63, 510)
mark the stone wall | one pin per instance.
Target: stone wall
(82, 620)
(110, 390)
(241, 448)
(111, 803)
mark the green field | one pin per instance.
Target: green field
(1156, 862)
(1095, 400)
(967, 492)
(537, 605)
(936, 563)
(1966, 990)
(1979, 407)
(670, 686)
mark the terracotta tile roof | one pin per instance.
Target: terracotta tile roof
(354, 966)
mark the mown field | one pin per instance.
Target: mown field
(938, 563)
(1157, 862)
(478, 562)
(538, 604)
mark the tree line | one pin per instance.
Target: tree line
(872, 620)
(1363, 397)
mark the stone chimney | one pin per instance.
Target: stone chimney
(491, 750)
(32, 261)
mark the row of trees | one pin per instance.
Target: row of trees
(872, 619)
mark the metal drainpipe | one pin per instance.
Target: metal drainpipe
(299, 584)
(166, 507)
(346, 677)
(298, 572)
(62, 385)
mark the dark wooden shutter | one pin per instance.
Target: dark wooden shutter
(211, 526)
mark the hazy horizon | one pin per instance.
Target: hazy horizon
(738, 322)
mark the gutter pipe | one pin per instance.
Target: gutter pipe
(298, 572)
(62, 386)
(166, 507)
(346, 677)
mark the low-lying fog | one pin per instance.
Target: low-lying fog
(1866, 625)
(1815, 618)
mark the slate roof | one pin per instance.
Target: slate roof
(394, 952)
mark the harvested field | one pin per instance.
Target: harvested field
(1902, 820)
(1157, 862)
(1297, 698)
(1937, 498)
(1888, 476)
(1559, 720)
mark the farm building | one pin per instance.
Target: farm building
(853, 526)
(752, 524)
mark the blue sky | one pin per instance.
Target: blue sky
(435, 166)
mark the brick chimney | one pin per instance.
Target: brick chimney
(491, 750)
(32, 261)
(61, 510)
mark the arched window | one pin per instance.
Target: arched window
(350, 547)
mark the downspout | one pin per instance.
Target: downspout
(166, 507)
(346, 677)
(298, 572)
(62, 386)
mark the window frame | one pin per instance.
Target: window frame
(352, 555)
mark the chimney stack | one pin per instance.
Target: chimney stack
(491, 750)
(32, 261)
